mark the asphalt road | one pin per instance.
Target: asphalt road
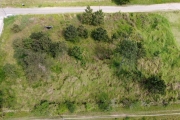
(107, 9)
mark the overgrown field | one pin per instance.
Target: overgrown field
(100, 63)
(51, 3)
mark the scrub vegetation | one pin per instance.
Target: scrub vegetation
(126, 60)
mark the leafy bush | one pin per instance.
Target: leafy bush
(37, 35)
(42, 108)
(100, 34)
(16, 28)
(57, 48)
(155, 84)
(71, 34)
(82, 32)
(10, 71)
(1, 100)
(71, 106)
(76, 52)
(103, 101)
(2, 74)
(98, 18)
(120, 2)
(128, 49)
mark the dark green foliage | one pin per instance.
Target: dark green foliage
(98, 18)
(87, 16)
(10, 71)
(155, 85)
(57, 48)
(71, 106)
(37, 35)
(131, 50)
(16, 28)
(82, 32)
(121, 2)
(1, 100)
(90, 18)
(76, 52)
(100, 34)
(128, 49)
(71, 34)
(2, 74)
(42, 108)
(103, 101)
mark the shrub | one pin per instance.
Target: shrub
(128, 49)
(16, 28)
(71, 34)
(1, 100)
(2, 74)
(71, 106)
(155, 85)
(98, 18)
(42, 108)
(103, 101)
(76, 52)
(37, 35)
(82, 32)
(57, 48)
(100, 34)
(120, 2)
(10, 71)
(38, 42)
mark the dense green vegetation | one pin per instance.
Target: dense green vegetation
(130, 60)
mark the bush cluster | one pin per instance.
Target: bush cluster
(76, 52)
(155, 85)
(100, 34)
(16, 28)
(71, 33)
(90, 18)
(32, 54)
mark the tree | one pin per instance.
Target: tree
(82, 32)
(87, 16)
(98, 18)
(71, 34)
(155, 84)
(121, 2)
(100, 34)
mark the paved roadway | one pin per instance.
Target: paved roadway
(107, 9)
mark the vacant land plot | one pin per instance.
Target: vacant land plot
(93, 74)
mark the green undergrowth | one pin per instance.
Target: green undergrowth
(90, 75)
